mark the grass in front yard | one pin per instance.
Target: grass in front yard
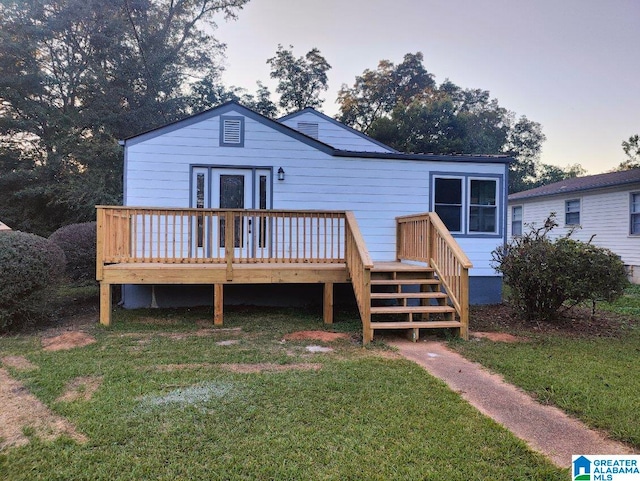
(594, 377)
(171, 406)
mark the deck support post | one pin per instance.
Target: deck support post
(218, 303)
(105, 303)
(327, 303)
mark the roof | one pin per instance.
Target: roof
(317, 144)
(4, 226)
(581, 184)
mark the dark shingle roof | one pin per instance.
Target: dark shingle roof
(577, 184)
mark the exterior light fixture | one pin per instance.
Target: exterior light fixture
(280, 173)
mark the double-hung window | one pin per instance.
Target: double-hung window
(516, 220)
(572, 212)
(635, 213)
(467, 205)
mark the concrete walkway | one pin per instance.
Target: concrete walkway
(546, 429)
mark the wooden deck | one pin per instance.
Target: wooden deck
(187, 246)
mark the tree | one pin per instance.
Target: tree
(75, 76)
(300, 80)
(376, 93)
(631, 149)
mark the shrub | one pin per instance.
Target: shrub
(545, 276)
(30, 266)
(78, 241)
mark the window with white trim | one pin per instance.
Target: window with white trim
(635, 213)
(572, 212)
(232, 131)
(467, 205)
(516, 220)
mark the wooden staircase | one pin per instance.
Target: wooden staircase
(406, 296)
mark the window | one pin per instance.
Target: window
(482, 205)
(572, 212)
(448, 202)
(309, 128)
(516, 220)
(232, 131)
(467, 205)
(635, 213)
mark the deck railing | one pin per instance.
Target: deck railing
(424, 238)
(359, 264)
(199, 236)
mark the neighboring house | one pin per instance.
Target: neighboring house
(605, 207)
(4, 226)
(232, 157)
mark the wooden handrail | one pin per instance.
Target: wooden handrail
(359, 265)
(425, 238)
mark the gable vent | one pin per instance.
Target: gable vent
(309, 128)
(232, 131)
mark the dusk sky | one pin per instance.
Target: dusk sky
(572, 65)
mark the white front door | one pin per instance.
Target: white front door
(226, 188)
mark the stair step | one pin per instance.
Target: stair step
(404, 268)
(408, 295)
(402, 282)
(412, 310)
(416, 325)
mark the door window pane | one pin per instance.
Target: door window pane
(200, 205)
(232, 197)
(448, 202)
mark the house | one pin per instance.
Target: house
(603, 208)
(307, 191)
(4, 226)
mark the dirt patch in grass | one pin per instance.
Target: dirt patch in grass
(316, 336)
(576, 322)
(19, 363)
(68, 340)
(498, 336)
(80, 388)
(241, 368)
(22, 412)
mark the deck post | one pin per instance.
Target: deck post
(105, 303)
(464, 304)
(218, 303)
(327, 303)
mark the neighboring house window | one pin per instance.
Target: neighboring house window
(448, 202)
(232, 131)
(309, 128)
(572, 212)
(482, 205)
(516, 220)
(635, 213)
(467, 205)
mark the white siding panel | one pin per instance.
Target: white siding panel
(377, 190)
(604, 215)
(336, 135)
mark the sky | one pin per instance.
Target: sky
(571, 65)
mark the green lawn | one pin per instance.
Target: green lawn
(596, 379)
(364, 414)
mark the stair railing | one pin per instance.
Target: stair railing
(424, 238)
(359, 265)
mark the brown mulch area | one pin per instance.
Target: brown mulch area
(576, 322)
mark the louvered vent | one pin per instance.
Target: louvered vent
(232, 131)
(308, 128)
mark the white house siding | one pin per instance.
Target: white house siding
(335, 135)
(376, 190)
(603, 214)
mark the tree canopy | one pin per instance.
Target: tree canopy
(631, 148)
(75, 76)
(300, 80)
(403, 107)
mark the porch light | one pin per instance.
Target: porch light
(280, 173)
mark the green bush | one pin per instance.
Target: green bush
(78, 241)
(30, 266)
(545, 276)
